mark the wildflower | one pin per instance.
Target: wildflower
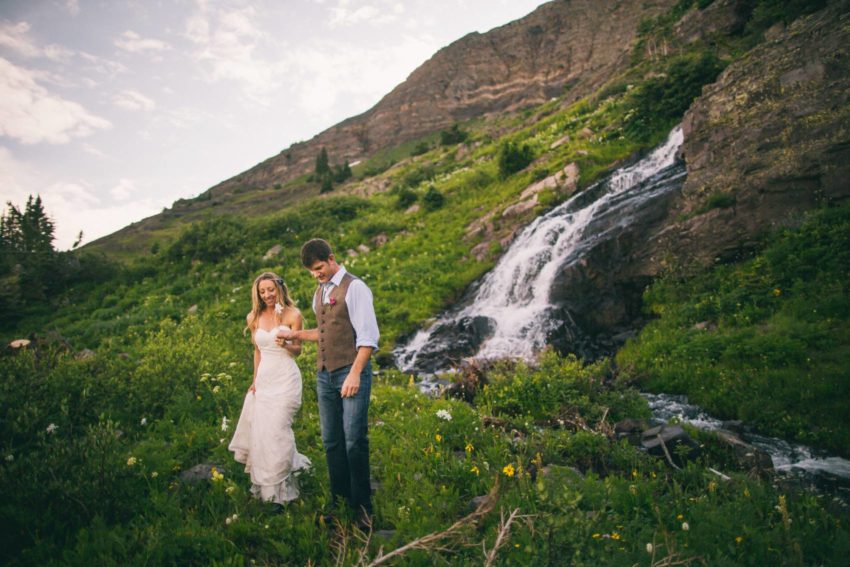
(680, 517)
(131, 461)
(747, 492)
(198, 398)
(10, 458)
(154, 474)
(634, 473)
(739, 539)
(216, 476)
(712, 486)
(224, 422)
(685, 526)
(649, 548)
(266, 526)
(52, 428)
(615, 535)
(143, 422)
(777, 292)
(443, 414)
(438, 437)
(469, 448)
(633, 489)
(230, 489)
(474, 469)
(216, 389)
(596, 536)
(508, 470)
(221, 440)
(205, 376)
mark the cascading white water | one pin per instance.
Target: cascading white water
(515, 295)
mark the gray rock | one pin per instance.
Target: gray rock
(200, 472)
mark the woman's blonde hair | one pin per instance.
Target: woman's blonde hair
(257, 304)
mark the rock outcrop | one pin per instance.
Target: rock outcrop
(573, 45)
(769, 140)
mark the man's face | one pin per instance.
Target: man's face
(324, 270)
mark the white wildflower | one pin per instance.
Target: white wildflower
(216, 389)
(649, 548)
(443, 414)
(224, 423)
(685, 526)
(143, 422)
(131, 461)
(10, 458)
(52, 428)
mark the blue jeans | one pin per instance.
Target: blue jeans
(345, 423)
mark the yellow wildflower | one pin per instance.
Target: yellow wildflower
(739, 539)
(131, 461)
(680, 517)
(469, 448)
(438, 437)
(615, 535)
(474, 469)
(216, 476)
(777, 292)
(509, 470)
(596, 536)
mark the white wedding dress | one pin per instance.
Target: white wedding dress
(263, 440)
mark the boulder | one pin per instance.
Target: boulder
(664, 441)
(200, 472)
(273, 252)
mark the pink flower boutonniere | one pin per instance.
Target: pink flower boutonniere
(332, 301)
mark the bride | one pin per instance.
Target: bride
(263, 440)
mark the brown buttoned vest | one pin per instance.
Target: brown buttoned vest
(337, 342)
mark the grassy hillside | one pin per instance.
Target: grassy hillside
(93, 444)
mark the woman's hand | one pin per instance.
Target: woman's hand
(253, 388)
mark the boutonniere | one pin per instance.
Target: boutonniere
(332, 301)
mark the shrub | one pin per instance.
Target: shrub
(432, 199)
(453, 135)
(513, 158)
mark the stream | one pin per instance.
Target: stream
(510, 312)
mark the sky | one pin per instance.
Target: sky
(111, 110)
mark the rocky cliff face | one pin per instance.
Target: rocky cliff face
(769, 140)
(564, 44)
(766, 142)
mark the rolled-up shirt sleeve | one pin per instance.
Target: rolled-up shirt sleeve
(362, 314)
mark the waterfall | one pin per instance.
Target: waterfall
(512, 303)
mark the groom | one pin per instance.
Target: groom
(347, 334)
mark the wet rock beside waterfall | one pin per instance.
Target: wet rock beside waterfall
(670, 442)
(451, 342)
(748, 457)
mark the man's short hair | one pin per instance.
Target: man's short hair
(315, 250)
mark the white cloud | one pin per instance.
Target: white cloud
(73, 7)
(133, 100)
(227, 44)
(134, 43)
(102, 65)
(344, 15)
(74, 206)
(324, 73)
(124, 189)
(31, 114)
(16, 38)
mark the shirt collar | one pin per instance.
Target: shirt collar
(337, 277)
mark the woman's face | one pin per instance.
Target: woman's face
(268, 292)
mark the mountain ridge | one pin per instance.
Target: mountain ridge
(564, 47)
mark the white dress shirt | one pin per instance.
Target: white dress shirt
(358, 300)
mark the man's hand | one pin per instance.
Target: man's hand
(285, 334)
(351, 385)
